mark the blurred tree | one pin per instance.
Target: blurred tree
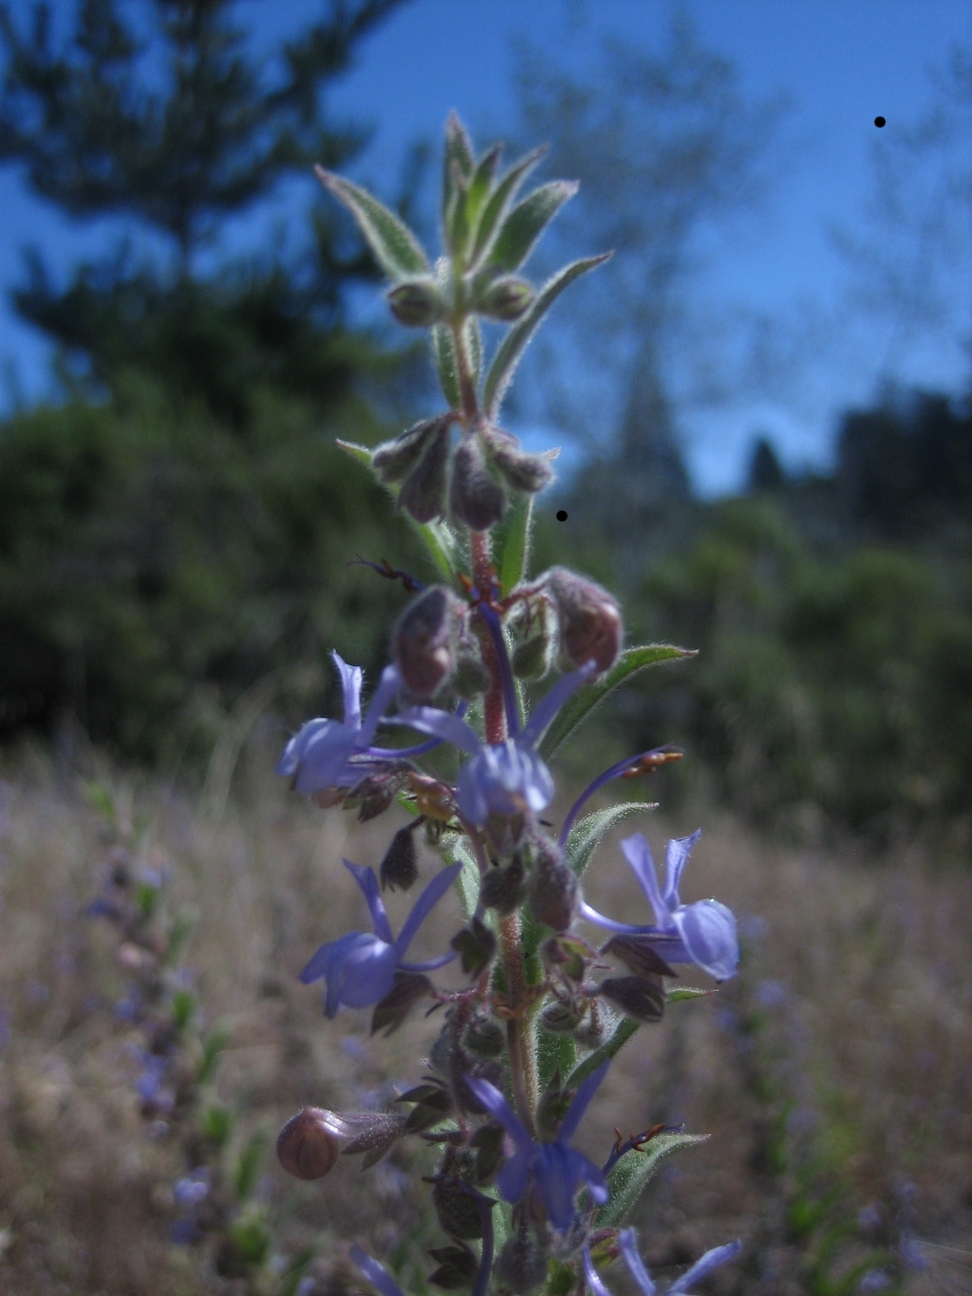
(765, 472)
(177, 130)
(181, 526)
(666, 148)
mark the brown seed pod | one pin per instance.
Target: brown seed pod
(306, 1147)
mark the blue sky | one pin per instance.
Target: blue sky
(840, 62)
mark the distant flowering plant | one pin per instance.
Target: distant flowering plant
(529, 1036)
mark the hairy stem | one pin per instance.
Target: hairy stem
(519, 1030)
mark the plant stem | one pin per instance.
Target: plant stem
(519, 1030)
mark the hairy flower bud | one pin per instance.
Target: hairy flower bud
(524, 472)
(471, 678)
(531, 659)
(394, 460)
(306, 1147)
(424, 492)
(522, 1263)
(418, 303)
(474, 496)
(399, 868)
(457, 1208)
(553, 891)
(589, 618)
(506, 298)
(642, 998)
(558, 1017)
(502, 888)
(426, 640)
(484, 1037)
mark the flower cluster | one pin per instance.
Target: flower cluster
(539, 1013)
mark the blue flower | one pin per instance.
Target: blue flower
(504, 778)
(360, 968)
(681, 1287)
(319, 755)
(703, 933)
(556, 1170)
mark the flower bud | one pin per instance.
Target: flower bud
(642, 998)
(394, 460)
(399, 868)
(471, 678)
(522, 1263)
(306, 1147)
(457, 1267)
(531, 659)
(457, 1208)
(553, 891)
(484, 1037)
(474, 497)
(475, 946)
(523, 472)
(638, 956)
(502, 888)
(589, 618)
(426, 640)
(558, 1017)
(407, 989)
(418, 303)
(506, 298)
(424, 492)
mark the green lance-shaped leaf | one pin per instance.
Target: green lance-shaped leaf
(511, 543)
(587, 834)
(677, 993)
(527, 221)
(609, 1049)
(630, 1177)
(498, 203)
(438, 537)
(458, 163)
(580, 706)
(395, 246)
(555, 1052)
(467, 883)
(473, 342)
(480, 183)
(248, 1167)
(510, 350)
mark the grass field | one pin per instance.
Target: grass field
(834, 1074)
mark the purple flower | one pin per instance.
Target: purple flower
(556, 1170)
(319, 755)
(376, 1273)
(681, 1287)
(504, 778)
(360, 968)
(703, 933)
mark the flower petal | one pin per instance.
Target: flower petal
(708, 931)
(363, 972)
(368, 882)
(591, 1274)
(386, 692)
(547, 708)
(638, 854)
(494, 1102)
(376, 1274)
(424, 905)
(585, 911)
(577, 1108)
(512, 1178)
(676, 853)
(711, 1259)
(441, 723)
(635, 1264)
(323, 758)
(351, 679)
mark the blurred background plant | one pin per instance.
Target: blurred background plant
(175, 534)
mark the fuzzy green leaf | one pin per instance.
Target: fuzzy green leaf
(587, 834)
(580, 706)
(630, 1177)
(496, 206)
(555, 1052)
(396, 248)
(473, 340)
(511, 349)
(248, 1168)
(609, 1049)
(437, 537)
(467, 883)
(458, 158)
(511, 543)
(480, 183)
(687, 992)
(527, 221)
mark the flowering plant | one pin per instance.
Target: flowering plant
(531, 1033)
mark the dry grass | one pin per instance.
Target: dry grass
(839, 1062)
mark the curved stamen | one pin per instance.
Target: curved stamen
(503, 662)
(614, 772)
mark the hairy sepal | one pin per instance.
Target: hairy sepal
(580, 706)
(395, 247)
(511, 349)
(632, 1174)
